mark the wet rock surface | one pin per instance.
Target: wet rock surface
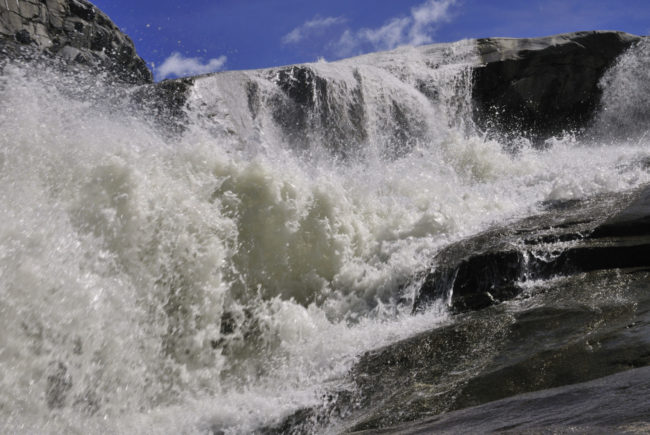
(537, 87)
(165, 103)
(604, 233)
(614, 404)
(74, 31)
(580, 279)
(306, 105)
(543, 86)
(558, 335)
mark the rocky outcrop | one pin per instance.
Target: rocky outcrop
(543, 86)
(73, 30)
(564, 335)
(604, 233)
(571, 330)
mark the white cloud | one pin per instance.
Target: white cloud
(389, 35)
(315, 25)
(425, 17)
(415, 29)
(346, 44)
(178, 65)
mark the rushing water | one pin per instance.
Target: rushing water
(228, 275)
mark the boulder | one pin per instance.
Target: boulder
(72, 30)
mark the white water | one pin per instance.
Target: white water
(229, 276)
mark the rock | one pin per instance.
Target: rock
(73, 30)
(306, 105)
(543, 86)
(604, 233)
(560, 335)
(615, 404)
(165, 103)
(23, 37)
(634, 220)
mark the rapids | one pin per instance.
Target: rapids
(231, 273)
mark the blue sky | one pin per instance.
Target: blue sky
(179, 38)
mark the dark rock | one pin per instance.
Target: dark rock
(478, 281)
(590, 321)
(165, 103)
(32, 31)
(253, 98)
(303, 89)
(613, 404)
(597, 234)
(81, 9)
(634, 220)
(392, 382)
(404, 130)
(551, 346)
(543, 86)
(23, 37)
(561, 335)
(307, 106)
(302, 85)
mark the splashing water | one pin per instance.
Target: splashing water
(229, 275)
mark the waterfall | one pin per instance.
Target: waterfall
(228, 267)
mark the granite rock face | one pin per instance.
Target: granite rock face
(543, 86)
(73, 30)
